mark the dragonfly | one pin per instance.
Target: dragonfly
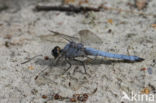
(74, 49)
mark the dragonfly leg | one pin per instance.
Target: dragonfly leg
(40, 73)
(57, 60)
(69, 65)
(83, 64)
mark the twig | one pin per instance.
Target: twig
(40, 72)
(78, 9)
(70, 8)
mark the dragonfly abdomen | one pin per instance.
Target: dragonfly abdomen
(94, 52)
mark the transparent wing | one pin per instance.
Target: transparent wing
(58, 37)
(67, 37)
(84, 36)
(51, 38)
(87, 37)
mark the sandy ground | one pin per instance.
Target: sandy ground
(121, 32)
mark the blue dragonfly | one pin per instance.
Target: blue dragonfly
(74, 49)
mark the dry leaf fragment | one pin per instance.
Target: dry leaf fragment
(31, 68)
(154, 26)
(69, 1)
(76, 1)
(141, 4)
(73, 100)
(110, 21)
(83, 2)
(145, 91)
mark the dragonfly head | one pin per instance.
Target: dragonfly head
(56, 51)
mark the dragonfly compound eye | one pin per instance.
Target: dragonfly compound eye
(56, 51)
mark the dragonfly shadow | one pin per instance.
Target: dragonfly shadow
(50, 62)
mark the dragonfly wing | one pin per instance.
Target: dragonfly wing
(66, 37)
(87, 37)
(58, 37)
(52, 38)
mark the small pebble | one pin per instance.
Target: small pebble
(44, 96)
(46, 58)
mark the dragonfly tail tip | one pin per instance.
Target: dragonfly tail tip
(140, 59)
